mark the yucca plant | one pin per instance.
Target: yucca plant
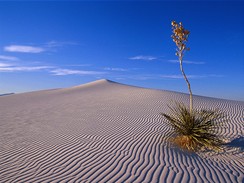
(195, 130)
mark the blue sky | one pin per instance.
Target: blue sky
(47, 45)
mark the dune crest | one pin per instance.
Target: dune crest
(108, 132)
(97, 82)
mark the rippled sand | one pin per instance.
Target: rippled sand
(109, 132)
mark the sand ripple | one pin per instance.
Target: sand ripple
(108, 132)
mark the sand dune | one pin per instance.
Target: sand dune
(108, 132)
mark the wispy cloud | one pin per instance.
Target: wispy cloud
(16, 67)
(160, 76)
(115, 69)
(22, 68)
(141, 77)
(190, 76)
(8, 58)
(63, 72)
(49, 46)
(171, 76)
(54, 44)
(53, 70)
(5, 64)
(23, 49)
(143, 57)
(187, 62)
(78, 65)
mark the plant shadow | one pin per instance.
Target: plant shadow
(236, 143)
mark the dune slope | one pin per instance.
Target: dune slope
(108, 132)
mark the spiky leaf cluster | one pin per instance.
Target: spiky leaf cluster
(195, 130)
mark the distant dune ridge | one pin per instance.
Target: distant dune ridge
(109, 132)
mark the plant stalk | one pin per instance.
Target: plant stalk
(187, 81)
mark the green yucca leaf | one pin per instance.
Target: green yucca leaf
(198, 127)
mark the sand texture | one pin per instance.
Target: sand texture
(108, 132)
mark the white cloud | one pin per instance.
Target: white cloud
(215, 75)
(23, 49)
(142, 57)
(190, 76)
(8, 58)
(172, 76)
(160, 77)
(143, 77)
(49, 46)
(62, 72)
(52, 44)
(115, 69)
(186, 62)
(4, 65)
(78, 65)
(22, 68)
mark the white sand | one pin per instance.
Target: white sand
(108, 132)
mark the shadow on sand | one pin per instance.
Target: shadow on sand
(236, 143)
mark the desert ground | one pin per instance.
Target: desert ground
(105, 131)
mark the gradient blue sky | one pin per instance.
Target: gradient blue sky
(61, 44)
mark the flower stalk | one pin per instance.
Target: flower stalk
(180, 37)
